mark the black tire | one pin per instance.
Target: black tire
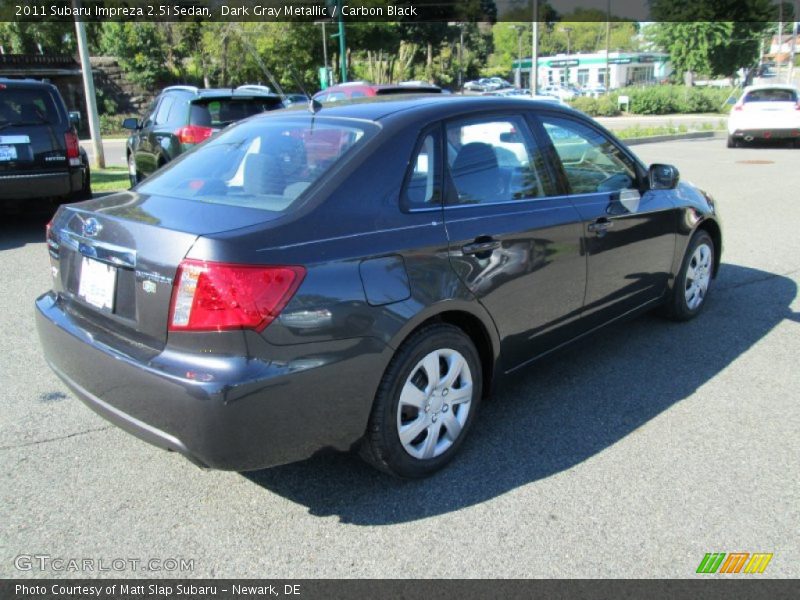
(381, 446)
(677, 307)
(133, 173)
(85, 193)
(732, 142)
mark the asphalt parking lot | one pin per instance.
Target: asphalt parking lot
(630, 456)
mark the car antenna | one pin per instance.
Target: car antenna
(261, 65)
(313, 105)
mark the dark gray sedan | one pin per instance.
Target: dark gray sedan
(360, 277)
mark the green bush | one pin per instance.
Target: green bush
(604, 106)
(112, 125)
(668, 99)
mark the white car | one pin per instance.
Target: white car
(559, 91)
(765, 112)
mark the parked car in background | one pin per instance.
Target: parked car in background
(487, 84)
(765, 112)
(594, 91)
(41, 161)
(559, 91)
(293, 98)
(364, 89)
(183, 116)
(362, 276)
(477, 85)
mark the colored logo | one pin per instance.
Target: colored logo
(734, 562)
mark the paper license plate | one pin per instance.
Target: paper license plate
(8, 153)
(97, 284)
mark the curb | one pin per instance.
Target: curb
(694, 135)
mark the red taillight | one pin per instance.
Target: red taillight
(210, 296)
(71, 142)
(737, 107)
(193, 134)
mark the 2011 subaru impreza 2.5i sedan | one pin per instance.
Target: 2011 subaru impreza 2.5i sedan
(361, 276)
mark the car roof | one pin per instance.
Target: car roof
(26, 83)
(433, 106)
(771, 86)
(244, 92)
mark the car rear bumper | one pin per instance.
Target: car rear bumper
(238, 414)
(767, 133)
(27, 186)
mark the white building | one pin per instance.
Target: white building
(589, 70)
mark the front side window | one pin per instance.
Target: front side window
(592, 162)
(494, 160)
(163, 110)
(259, 164)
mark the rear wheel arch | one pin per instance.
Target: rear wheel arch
(483, 336)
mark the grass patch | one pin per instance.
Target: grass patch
(637, 131)
(112, 179)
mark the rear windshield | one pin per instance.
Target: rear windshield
(219, 112)
(27, 107)
(264, 164)
(771, 95)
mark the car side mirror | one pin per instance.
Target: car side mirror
(131, 123)
(75, 119)
(663, 177)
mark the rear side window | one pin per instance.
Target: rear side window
(28, 107)
(421, 189)
(771, 95)
(260, 164)
(495, 160)
(220, 112)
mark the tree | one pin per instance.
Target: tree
(139, 48)
(711, 37)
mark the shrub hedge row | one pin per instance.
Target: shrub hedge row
(657, 100)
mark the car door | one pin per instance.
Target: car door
(513, 242)
(141, 147)
(628, 230)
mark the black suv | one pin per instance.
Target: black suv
(40, 158)
(182, 116)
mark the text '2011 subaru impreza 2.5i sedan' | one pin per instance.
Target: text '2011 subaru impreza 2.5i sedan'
(361, 276)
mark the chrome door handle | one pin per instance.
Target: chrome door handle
(480, 247)
(600, 226)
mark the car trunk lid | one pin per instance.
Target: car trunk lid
(114, 259)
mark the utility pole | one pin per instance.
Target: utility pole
(88, 90)
(606, 82)
(461, 57)
(535, 51)
(337, 7)
(519, 29)
(324, 44)
(793, 52)
(567, 30)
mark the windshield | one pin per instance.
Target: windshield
(263, 164)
